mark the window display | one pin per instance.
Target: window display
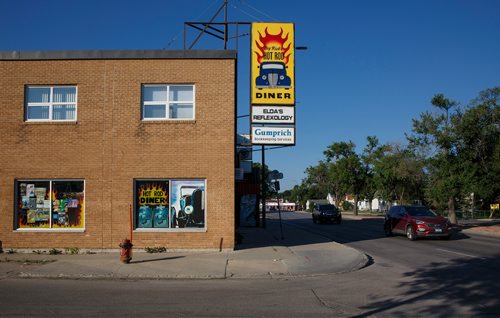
(188, 203)
(152, 202)
(50, 204)
(184, 199)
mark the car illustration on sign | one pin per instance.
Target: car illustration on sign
(273, 75)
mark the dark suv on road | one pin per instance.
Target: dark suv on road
(326, 212)
(416, 221)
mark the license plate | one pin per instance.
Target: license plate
(439, 230)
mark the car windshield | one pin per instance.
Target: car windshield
(272, 66)
(419, 211)
(327, 207)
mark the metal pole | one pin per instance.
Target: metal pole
(225, 25)
(131, 222)
(263, 182)
(279, 213)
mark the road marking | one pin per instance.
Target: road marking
(458, 253)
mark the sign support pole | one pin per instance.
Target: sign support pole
(263, 183)
(279, 211)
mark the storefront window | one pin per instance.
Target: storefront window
(50, 204)
(184, 199)
(152, 202)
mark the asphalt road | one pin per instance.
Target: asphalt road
(427, 278)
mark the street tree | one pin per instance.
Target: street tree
(347, 169)
(478, 146)
(432, 130)
(398, 174)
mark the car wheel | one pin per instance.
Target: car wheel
(410, 234)
(314, 220)
(387, 230)
(447, 237)
(339, 221)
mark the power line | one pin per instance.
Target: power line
(244, 12)
(197, 18)
(257, 10)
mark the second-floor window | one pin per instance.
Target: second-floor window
(160, 102)
(51, 103)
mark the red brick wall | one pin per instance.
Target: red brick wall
(109, 145)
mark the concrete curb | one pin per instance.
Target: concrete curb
(482, 232)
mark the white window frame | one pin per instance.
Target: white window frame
(51, 104)
(167, 103)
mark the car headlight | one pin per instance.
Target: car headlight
(282, 77)
(264, 77)
(419, 222)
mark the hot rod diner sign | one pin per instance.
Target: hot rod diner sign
(273, 64)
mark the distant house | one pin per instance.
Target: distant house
(274, 205)
(377, 205)
(310, 203)
(347, 198)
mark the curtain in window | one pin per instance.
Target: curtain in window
(63, 112)
(38, 112)
(64, 95)
(38, 94)
(181, 93)
(181, 111)
(155, 93)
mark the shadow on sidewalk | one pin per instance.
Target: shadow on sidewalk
(155, 259)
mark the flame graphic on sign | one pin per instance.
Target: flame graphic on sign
(274, 43)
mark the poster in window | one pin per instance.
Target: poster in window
(32, 203)
(66, 213)
(188, 203)
(152, 203)
(25, 201)
(40, 194)
(30, 190)
(22, 189)
(31, 211)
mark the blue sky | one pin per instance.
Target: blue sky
(371, 66)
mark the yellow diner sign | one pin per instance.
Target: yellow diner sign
(273, 64)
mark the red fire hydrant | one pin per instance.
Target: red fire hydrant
(125, 251)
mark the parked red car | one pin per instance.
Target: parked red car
(415, 222)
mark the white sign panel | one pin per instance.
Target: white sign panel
(273, 135)
(273, 115)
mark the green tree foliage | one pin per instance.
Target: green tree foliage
(399, 174)
(347, 169)
(462, 150)
(478, 146)
(371, 155)
(451, 154)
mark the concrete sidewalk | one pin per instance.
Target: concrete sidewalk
(262, 254)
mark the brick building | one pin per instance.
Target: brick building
(88, 134)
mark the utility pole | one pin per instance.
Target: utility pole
(263, 187)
